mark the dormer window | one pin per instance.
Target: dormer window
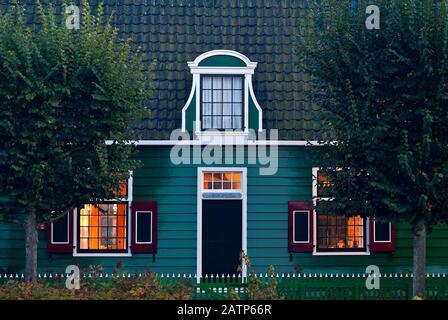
(222, 98)
(222, 102)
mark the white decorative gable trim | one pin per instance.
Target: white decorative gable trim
(247, 71)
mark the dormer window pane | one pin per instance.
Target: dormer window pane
(222, 102)
(227, 83)
(237, 95)
(238, 83)
(237, 109)
(207, 83)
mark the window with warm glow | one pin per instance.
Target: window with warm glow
(340, 232)
(222, 181)
(102, 227)
(337, 233)
(122, 189)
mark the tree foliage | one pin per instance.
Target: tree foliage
(63, 93)
(384, 98)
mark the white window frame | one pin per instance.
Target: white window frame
(374, 234)
(68, 232)
(334, 253)
(308, 214)
(128, 227)
(218, 131)
(135, 227)
(200, 192)
(248, 90)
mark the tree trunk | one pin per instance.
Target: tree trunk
(31, 241)
(419, 280)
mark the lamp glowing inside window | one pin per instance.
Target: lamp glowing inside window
(340, 232)
(336, 232)
(103, 227)
(222, 181)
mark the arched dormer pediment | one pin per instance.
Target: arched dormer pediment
(222, 58)
(222, 96)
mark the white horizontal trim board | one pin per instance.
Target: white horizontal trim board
(281, 143)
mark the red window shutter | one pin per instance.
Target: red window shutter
(382, 236)
(143, 227)
(300, 226)
(60, 234)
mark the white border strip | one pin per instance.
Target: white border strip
(190, 98)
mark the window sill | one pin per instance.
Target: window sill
(128, 254)
(221, 133)
(341, 253)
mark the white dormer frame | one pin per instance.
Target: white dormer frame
(197, 71)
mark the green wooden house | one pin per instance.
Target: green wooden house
(226, 153)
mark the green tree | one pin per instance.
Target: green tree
(63, 93)
(383, 94)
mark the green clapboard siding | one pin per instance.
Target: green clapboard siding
(175, 190)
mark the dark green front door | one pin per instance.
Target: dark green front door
(221, 236)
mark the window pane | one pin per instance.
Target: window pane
(227, 109)
(207, 82)
(227, 122)
(237, 122)
(227, 185)
(217, 122)
(206, 95)
(227, 83)
(237, 95)
(217, 95)
(227, 96)
(207, 109)
(236, 185)
(237, 109)
(208, 176)
(84, 244)
(217, 83)
(206, 122)
(217, 109)
(237, 83)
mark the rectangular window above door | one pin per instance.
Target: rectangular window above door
(222, 180)
(222, 102)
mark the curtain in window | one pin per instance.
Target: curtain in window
(222, 102)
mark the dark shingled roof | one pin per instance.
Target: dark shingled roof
(176, 31)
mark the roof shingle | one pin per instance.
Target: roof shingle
(173, 32)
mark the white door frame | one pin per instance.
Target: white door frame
(200, 192)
